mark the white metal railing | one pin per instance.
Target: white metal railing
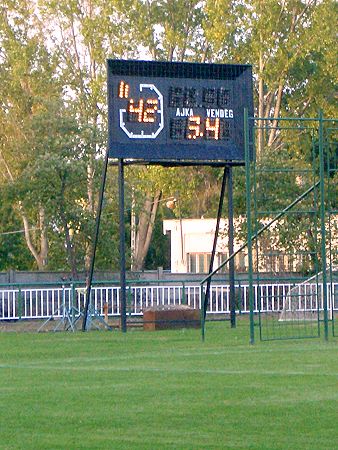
(34, 303)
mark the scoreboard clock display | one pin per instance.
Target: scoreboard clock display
(164, 111)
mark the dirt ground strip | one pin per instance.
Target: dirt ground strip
(19, 326)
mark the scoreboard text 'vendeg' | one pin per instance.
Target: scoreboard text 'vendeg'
(170, 111)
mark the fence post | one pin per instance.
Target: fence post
(63, 302)
(239, 298)
(73, 293)
(203, 315)
(249, 231)
(322, 223)
(129, 299)
(20, 303)
(184, 298)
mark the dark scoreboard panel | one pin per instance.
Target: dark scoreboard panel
(177, 111)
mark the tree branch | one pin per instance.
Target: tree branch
(29, 242)
(273, 130)
(8, 170)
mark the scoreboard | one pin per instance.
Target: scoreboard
(170, 111)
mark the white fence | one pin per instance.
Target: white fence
(40, 303)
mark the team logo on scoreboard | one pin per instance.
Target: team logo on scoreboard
(142, 118)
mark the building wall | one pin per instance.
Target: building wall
(194, 237)
(192, 242)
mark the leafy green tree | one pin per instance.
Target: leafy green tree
(28, 88)
(14, 253)
(291, 46)
(168, 30)
(171, 29)
(84, 34)
(53, 111)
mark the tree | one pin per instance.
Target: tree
(173, 31)
(53, 65)
(290, 50)
(14, 253)
(83, 35)
(28, 89)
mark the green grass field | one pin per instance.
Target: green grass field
(167, 390)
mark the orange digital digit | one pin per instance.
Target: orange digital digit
(212, 128)
(136, 113)
(194, 125)
(123, 90)
(150, 109)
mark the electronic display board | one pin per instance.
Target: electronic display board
(171, 111)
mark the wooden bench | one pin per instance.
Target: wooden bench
(170, 317)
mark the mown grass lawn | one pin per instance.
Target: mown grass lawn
(167, 390)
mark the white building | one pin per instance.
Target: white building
(191, 242)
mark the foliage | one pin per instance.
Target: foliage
(53, 112)
(13, 251)
(291, 46)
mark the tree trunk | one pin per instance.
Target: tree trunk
(69, 245)
(273, 131)
(90, 207)
(70, 249)
(40, 255)
(260, 131)
(145, 230)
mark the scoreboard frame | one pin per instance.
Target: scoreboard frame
(178, 112)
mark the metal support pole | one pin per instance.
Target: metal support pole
(322, 223)
(123, 297)
(249, 226)
(207, 292)
(96, 236)
(72, 305)
(231, 249)
(132, 229)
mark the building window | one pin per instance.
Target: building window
(278, 262)
(240, 262)
(223, 257)
(198, 262)
(192, 266)
(201, 263)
